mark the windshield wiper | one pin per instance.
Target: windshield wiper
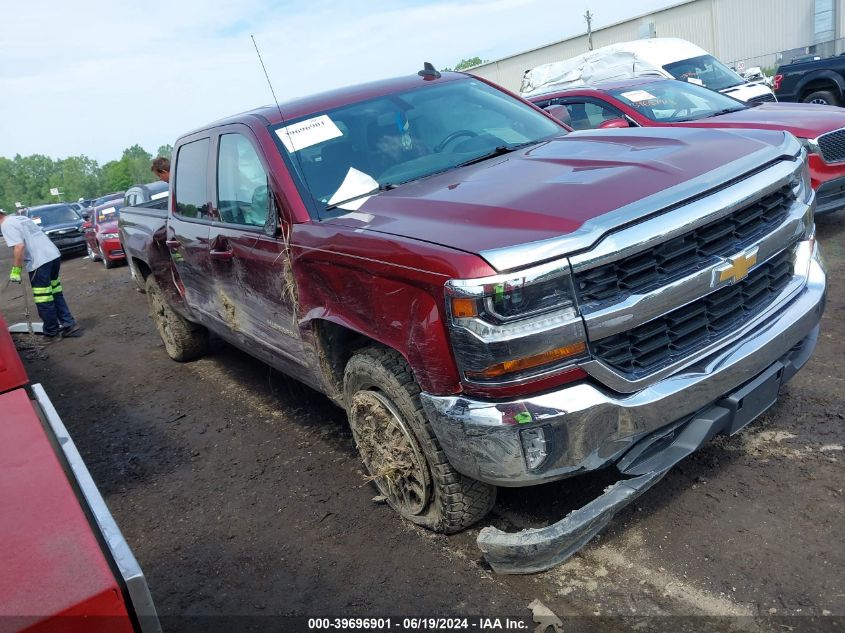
(385, 187)
(499, 150)
(728, 111)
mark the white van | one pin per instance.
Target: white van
(661, 56)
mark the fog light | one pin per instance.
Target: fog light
(535, 446)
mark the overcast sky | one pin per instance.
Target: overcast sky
(96, 76)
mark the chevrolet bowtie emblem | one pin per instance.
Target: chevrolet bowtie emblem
(736, 268)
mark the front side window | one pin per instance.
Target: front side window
(192, 180)
(242, 193)
(674, 101)
(707, 70)
(588, 115)
(384, 142)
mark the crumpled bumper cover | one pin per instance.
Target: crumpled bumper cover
(730, 391)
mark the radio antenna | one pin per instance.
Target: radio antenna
(269, 83)
(294, 154)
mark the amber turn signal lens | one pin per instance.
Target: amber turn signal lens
(529, 362)
(463, 308)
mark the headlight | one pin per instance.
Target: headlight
(508, 298)
(801, 185)
(110, 236)
(515, 327)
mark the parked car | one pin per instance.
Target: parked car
(819, 81)
(62, 224)
(667, 103)
(667, 57)
(493, 301)
(156, 192)
(101, 234)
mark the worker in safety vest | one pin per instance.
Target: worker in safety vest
(33, 250)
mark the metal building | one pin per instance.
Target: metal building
(741, 33)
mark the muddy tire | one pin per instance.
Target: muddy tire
(182, 339)
(106, 261)
(821, 97)
(399, 449)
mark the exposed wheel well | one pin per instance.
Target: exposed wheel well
(141, 267)
(820, 84)
(335, 346)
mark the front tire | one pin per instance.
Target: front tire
(182, 339)
(822, 97)
(106, 261)
(399, 449)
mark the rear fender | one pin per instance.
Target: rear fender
(824, 78)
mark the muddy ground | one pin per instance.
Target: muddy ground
(240, 491)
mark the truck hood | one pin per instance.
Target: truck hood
(562, 187)
(802, 119)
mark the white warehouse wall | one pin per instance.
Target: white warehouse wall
(732, 30)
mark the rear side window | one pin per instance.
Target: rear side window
(192, 180)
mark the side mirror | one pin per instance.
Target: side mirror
(611, 124)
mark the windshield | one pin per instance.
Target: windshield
(109, 213)
(673, 101)
(53, 215)
(358, 149)
(705, 69)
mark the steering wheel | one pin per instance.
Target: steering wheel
(451, 137)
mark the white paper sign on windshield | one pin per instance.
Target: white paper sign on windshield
(638, 96)
(306, 133)
(693, 80)
(108, 211)
(356, 183)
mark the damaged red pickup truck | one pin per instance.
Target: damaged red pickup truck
(493, 300)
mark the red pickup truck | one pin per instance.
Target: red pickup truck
(493, 300)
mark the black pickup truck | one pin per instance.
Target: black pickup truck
(819, 81)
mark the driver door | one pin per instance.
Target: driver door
(255, 291)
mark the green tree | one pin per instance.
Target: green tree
(165, 150)
(115, 176)
(468, 63)
(137, 161)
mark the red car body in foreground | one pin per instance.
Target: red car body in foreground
(492, 300)
(61, 571)
(101, 234)
(821, 129)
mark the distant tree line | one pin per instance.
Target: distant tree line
(28, 179)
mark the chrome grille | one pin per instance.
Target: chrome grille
(683, 255)
(683, 331)
(762, 98)
(832, 146)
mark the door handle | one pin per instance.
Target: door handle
(173, 243)
(223, 256)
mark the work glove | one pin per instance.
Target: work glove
(15, 275)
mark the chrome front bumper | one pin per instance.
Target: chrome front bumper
(587, 426)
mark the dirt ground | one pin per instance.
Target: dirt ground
(240, 491)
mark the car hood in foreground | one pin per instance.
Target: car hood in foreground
(806, 120)
(564, 186)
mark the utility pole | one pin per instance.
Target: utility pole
(589, 18)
